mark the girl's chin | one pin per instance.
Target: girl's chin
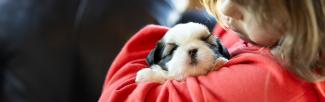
(247, 39)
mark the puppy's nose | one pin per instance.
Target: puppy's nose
(192, 52)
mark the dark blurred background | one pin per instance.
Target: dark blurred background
(60, 50)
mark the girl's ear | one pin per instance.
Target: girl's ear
(155, 55)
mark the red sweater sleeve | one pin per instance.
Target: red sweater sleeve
(252, 75)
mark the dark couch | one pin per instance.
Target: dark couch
(60, 50)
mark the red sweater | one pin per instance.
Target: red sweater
(252, 75)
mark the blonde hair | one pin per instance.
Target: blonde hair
(303, 45)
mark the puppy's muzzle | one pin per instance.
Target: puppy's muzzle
(193, 56)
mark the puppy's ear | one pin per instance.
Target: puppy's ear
(155, 55)
(222, 49)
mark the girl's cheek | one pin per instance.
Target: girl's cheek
(262, 36)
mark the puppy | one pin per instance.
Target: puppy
(185, 50)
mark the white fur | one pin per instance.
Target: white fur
(186, 36)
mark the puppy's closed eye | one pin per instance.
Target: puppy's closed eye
(169, 49)
(167, 54)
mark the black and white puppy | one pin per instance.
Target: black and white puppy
(185, 50)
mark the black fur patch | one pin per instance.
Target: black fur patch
(156, 56)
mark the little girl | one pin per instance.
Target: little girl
(277, 49)
(293, 29)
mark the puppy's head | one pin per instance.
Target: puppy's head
(188, 49)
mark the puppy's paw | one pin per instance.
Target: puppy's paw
(149, 75)
(220, 62)
(144, 75)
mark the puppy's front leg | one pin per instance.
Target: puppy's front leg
(152, 74)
